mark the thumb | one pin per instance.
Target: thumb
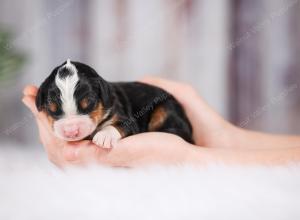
(41, 117)
(29, 101)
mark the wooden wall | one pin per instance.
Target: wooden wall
(264, 65)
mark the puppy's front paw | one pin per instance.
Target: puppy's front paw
(107, 137)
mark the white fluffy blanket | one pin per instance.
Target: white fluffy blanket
(31, 188)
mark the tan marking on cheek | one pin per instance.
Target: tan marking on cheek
(84, 103)
(158, 117)
(53, 107)
(97, 114)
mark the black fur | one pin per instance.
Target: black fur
(132, 102)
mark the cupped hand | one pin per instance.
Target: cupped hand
(134, 151)
(209, 130)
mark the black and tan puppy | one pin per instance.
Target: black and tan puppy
(82, 105)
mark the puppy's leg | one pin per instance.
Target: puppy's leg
(107, 137)
(110, 134)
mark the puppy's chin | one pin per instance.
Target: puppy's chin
(69, 139)
(74, 128)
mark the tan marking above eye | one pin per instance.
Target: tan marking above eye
(84, 103)
(53, 107)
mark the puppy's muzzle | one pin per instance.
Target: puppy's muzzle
(74, 128)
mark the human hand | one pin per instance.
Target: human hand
(55, 148)
(209, 128)
(133, 151)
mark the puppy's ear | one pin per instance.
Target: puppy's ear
(105, 91)
(39, 100)
(41, 96)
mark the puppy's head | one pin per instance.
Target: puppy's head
(76, 99)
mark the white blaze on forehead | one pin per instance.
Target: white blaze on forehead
(67, 85)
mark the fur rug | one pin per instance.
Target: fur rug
(32, 188)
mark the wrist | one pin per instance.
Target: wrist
(240, 138)
(198, 156)
(223, 136)
(231, 135)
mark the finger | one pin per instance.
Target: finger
(41, 117)
(156, 80)
(82, 152)
(170, 86)
(135, 140)
(70, 152)
(77, 143)
(85, 152)
(30, 90)
(152, 80)
(45, 130)
(29, 101)
(147, 139)
(46, 134)
(183, 92)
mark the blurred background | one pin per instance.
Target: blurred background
(241, 55)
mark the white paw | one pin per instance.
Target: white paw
(107, 137)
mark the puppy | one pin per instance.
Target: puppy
(81, 105)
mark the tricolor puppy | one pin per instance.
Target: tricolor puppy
(82, 105)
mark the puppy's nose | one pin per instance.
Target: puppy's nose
(71, 131)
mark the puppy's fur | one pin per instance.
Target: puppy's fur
(82, 105)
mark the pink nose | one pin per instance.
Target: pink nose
(71, 131)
